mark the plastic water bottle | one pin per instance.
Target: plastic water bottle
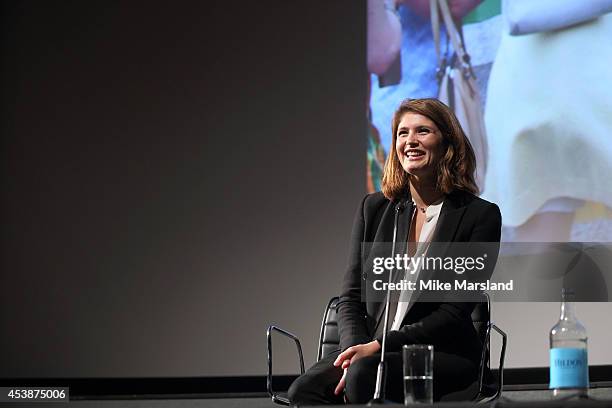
(569, 368)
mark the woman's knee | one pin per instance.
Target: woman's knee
(299, 390)
(315, 388)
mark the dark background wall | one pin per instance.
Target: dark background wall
(174, 177)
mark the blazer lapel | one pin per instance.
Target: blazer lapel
(403, 224)
(448, 223)
(450, 217)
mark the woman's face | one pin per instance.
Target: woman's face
(419, 145)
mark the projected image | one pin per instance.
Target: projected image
(531, 85)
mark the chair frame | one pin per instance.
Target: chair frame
(480, 398)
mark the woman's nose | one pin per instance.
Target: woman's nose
(412, 139)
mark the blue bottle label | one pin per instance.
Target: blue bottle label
(569, 368)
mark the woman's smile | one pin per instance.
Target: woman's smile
(414, 154)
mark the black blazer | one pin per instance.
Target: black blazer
(464, 217)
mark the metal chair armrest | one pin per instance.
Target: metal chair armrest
(275, 397)
(483, 359)
(502, 357)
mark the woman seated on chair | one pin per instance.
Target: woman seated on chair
(431, 175)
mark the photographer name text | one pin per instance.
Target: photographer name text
(437, 285)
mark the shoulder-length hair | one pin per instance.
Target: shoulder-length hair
(458, 164)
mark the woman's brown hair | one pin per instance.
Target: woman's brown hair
(458, 164)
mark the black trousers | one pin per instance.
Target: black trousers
(455, 378)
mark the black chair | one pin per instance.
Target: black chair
(329, 340)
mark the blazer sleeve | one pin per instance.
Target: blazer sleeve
(449, 317)
(351, 310)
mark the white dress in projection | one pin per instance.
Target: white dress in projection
(549, 120)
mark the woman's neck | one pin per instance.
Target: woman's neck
(424, 193)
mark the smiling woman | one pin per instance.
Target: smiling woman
(432, 174)
(419, 145)
(428, 126)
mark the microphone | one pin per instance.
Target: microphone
(381, 372)
(400, 207)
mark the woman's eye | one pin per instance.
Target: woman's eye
(423, 130)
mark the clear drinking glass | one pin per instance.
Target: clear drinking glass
(418, 373)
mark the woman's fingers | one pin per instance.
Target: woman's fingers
(341, 357)
(346, 354)
(341, 384)
(344, 360)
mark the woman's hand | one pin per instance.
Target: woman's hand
(350, 355)
(354, 353)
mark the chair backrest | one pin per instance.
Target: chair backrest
(329, 338)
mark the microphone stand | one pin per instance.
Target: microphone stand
(381, 373)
